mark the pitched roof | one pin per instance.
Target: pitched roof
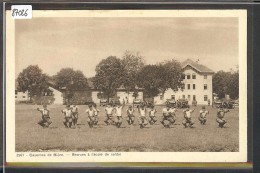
(199, 67)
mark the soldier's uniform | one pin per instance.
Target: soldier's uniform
(152, 116)
(130, 115)
(220, 117)
(75, 114)
(96, 115)
(67, 117)
(187, 122)
(109, 113)
(91, 116)
(167, 118)
(45, 121)
(142, 118)
(118, 118)
(203, 115)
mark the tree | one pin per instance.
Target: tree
(173, 76)
(32, 79)
(70, 81)
(110, 73)
(226, 83)
(133, 63)
(151, 78)
(156, 79)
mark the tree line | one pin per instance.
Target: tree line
(130, 72)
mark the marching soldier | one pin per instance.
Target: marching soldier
(118, 118)
(75, 114)
(167, 117)
(91, 115)
(142, 118)
(109, 113)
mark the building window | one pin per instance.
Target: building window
(205, 86)
(188, 86)
(23, 96)
(189, 97)
(193, 76)
(205, 76)
(194, 86)
(183, 96)
(15, 96)
(173, 97)
(188, 76)
(194, 97)
(205, 98)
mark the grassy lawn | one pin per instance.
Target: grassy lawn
(202, 138)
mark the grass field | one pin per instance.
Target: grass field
(202, 138)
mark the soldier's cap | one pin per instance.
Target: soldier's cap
(203, 107)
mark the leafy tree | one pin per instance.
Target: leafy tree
(32, 79)
(151, 78)
(110, 73)
(156, 79)
(226, 83)
(70, 81)
(173, 76)
(135, 94)
(133, 63)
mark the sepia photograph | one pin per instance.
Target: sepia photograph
(135, 82)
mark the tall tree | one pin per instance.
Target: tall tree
(133, 63)
(70, 80)
(173, 76)
(156, 79)
(226, 83)
(151, 78)
(110, 73)
(32, 79)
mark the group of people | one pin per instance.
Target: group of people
(114, 116)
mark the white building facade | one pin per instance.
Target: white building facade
(197, 85)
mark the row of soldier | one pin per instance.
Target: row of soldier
(114, 116)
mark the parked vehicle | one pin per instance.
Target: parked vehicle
(137, 102)
(170, 102)
(103, 102)
(182, 103)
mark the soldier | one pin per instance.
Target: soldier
(96, 114)
(91, 115)
(67, 117)
(173, 111)
(75, 114)
(46, 121)
(203, 115)
(220, 116)
(130, 115)
(142, 118)
(168, 118)
(187, 122)
(152, 117)
(118, 118)
(109, 113)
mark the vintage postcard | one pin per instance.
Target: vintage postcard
(126, 86)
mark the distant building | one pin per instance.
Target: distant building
(197, 85)
(121, 94)
(57, 95)
(21, 96)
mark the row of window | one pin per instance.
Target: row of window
(194, 86)
(188, 76)
(189, 97)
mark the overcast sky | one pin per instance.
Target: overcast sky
(81, 43)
